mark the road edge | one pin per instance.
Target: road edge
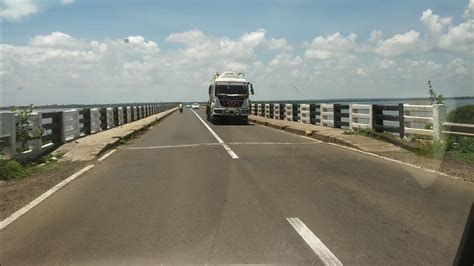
(349, 146)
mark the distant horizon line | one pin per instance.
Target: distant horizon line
(312, 100)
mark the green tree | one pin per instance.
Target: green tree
(463, 115)
(435, 98)
(24, 130)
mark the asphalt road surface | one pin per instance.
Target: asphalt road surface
(243, 194)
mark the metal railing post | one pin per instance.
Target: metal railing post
(401, 117)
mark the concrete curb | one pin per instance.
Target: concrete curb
(132, 134)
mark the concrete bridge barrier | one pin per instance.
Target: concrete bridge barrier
(279, 111)
(401, 119)
(65, 126)
(269, 110)
(260, 111)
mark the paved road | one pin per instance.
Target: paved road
(175, 195)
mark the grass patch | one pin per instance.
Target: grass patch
(456, 149)
(460, 150)
(13, 170)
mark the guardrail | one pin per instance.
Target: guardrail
(361, 117)
(291, 112)
(269, 110)
(401, 119)
(260, 109)
(384, 113)
(466, 130)
(278, 111)
(65, 126)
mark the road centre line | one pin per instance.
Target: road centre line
(42, 197)
(326, 256)
(173, 146)
(271, 143)
(289, 133)
(106, 155)
(223, 144)
(216, 144)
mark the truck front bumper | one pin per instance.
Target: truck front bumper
(230, 112)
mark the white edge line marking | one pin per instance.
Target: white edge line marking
(173, 146)
(374, 155)
(42, 197)
(225, 146)
(106, 155)
(326, 256)
(394, 160)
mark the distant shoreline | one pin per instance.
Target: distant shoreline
(370, 99)
(54, 106)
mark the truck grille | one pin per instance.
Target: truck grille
(231, 101)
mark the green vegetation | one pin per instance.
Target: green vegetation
(463, 115)
(24, 130)
(458, 149)
(435, 98)
(12, 169)
(461, 150)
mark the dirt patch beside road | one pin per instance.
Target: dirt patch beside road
(15, 194)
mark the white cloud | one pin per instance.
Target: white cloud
(429, 65)
(286, 60)
(200, 46)
(399, 44)
(234, 66)
(253, 39)
(140, 42)
(434, 23)
(134, 68)
(459, 38)
(330, 47)
(188, 37)
(469, 12)
(361, 72)
(56, 39)
(375, 36)
(459, 67)
(15, 10)
(386, 63)
(280, 44)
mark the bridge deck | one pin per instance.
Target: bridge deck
(176, 195)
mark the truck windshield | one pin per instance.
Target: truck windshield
(231, 89)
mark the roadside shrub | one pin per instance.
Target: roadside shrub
(435, 149)
(463, 115)
(10, 169)
(462, 144)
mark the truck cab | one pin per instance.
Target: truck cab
(229, 97)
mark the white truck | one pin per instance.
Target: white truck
(229, 97)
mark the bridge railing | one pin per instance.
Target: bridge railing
(426, 121)
(361, 116)
(466, 130)
(269, 110)
(64, 126)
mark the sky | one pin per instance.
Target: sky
(73, 51)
